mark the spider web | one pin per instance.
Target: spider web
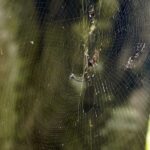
(111, 110)
(112, 87)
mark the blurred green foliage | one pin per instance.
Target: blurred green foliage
(38, 104)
